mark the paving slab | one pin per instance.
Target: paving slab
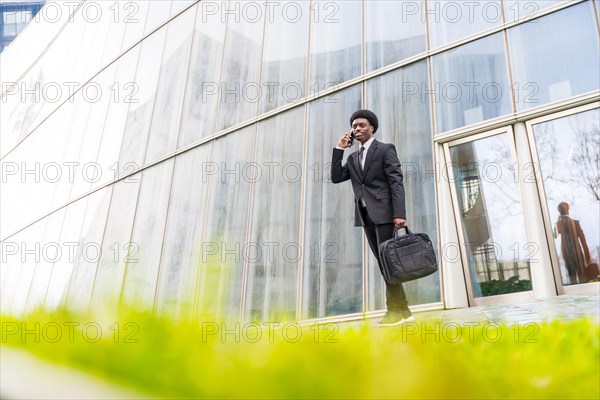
(25, 376)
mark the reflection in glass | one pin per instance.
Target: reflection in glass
(273, 261)
(72, 52)
(453, 20)
(69, 143)
(555, 57)
(224, 243)
(92, 137)
(284, 56)
(9, 276)
(43, 269)
(335, 43)
(57, 144)
(332, 282)
(20, 198)
(405, 121)
(88, 251)
(168, 102)
(141, 107)
(471, 84)
(394, 30)
(568, 150)
(180, 259)
(519, 10)
(113, 38)
(62, 268)
(133, 15)
(114, 125)
(143, 256)
(158, 12)
(178, 5)
(116, 242)
(491, 216)
(239, 88)
(202, 89)
(20, 265)
(95, 46)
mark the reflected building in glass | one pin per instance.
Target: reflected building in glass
(174, 156)
(14, 16)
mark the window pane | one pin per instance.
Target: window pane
(202, 90)
(520, 10)
(22, 265)
(143, 254)
(114, 125)
(284, 55)
(171, 84)
(158, 12)
(10, 17)
(335, 44)
(555, 57)
(10, 29)
(471, 84)
(23, 18)
(273, 260)
(43, 269)
(568, 150)
(114, 36)
(394, 30)
(69, 142)
(241, 66)
(405, 121)
(88, 170)
(178, 271)
(453, 20)
(139, 116)
(178, 5)
(222, 253)
(491, 216)
(332, 261)
(88, 251)
(116, 242)
(134, 16)
(62, 268)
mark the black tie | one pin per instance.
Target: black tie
(360, 157)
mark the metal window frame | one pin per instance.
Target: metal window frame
(484, 300)
(547, 221)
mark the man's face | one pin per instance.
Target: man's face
(362, 129)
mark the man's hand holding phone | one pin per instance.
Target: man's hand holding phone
(347, 140)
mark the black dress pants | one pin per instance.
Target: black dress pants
(377, 234)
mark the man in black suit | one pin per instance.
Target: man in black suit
(376, 179)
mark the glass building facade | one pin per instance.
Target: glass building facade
(14, 16)
(174, 156)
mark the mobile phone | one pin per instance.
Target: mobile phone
(352, 137)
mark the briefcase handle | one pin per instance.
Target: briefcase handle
(407, 232)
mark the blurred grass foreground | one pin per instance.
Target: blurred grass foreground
(425, 359)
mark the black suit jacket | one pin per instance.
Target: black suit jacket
(380, 184)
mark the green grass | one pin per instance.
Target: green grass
(421, 360)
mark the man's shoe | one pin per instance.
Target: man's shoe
(393, 318)
(407, 316)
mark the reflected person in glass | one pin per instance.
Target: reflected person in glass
(376, 178)
(571, 244)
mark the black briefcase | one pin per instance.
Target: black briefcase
(407, 257)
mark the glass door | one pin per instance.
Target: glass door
(566, 148)
(487, 206)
